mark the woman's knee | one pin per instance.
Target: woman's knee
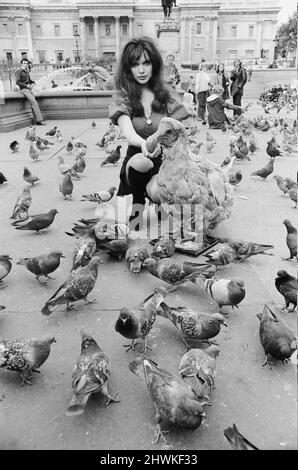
(140, 163)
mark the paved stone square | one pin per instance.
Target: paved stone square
(260, 401)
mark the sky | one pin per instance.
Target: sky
(288, 7)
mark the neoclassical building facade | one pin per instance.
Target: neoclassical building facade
(51, 30)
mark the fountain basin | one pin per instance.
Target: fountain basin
(15, 111)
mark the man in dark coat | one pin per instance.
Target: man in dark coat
(238, 78)
(25, 83)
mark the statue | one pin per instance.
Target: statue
(167, 7)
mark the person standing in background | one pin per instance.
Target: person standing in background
(249, 72)
(191, 88)
(222, 79)
(171, 73)
(25, 84)
(203, 83)
(238, 78)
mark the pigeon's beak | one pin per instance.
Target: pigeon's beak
(225, 324)
(62, 256)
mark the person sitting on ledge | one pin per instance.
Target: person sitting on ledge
(140, 101)
(216, 108)
(25, 83)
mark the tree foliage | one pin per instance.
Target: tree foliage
(287, 34)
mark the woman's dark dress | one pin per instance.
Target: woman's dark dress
(121, 105)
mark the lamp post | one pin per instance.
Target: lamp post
(76, 36)
(275, 42)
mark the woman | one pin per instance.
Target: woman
(203, 83)
(191, 88)
(238, 78)
(222, 80)
(142, 99)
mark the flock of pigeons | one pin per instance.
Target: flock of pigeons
(179, 399)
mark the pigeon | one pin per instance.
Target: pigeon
(193, 324)
(225, 162)
(197, 148)
(79, 165)
(33, 153)
(198, 369)
(14, 146)
(69, 145)
(37, 222)
(209, 146)
(78, 286)
(136, 255)
(244, 149)
(292, 190)
(236, 251)
(84, 249)
(265, 171)
(210, 138)
(90, 375)
(40, 145)
(2, 179)
(291, 239)
(235, 152)
(287, 286)
(105, 228)
(25, 356)
(2, 307)
(29, 177)
(252, 147)
(31, 134)
(42, 265)
(237, 441)
(5, 268)
(79, 144)
(66, 186)
(22, 204)
(163, 248)
(176, 272)
(175, 401)
(59, 136)
(276, 337)
(101, 196)
(93, 125)
(226, 291)
(114, 157)
(52, 132)
(64, 169)
(45, 141)
(273, 151)
(115, 248)
(281, 183)
(236, 178)
(137, 322)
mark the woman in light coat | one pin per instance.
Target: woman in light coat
(203, 83)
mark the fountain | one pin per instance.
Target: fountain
(76, 78)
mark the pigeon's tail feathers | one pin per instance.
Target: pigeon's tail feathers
(103, 163)
(136, 367)
(77, 405)
(237, 441)
(45, 310)
(165, 311)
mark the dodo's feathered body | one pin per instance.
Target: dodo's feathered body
(185, 178)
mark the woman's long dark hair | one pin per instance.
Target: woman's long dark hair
(217, 68)
(125, 81)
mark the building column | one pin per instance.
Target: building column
(131, 24)
(182, 40)
(190, 38)
(259, 38)
(117, 27)
(83, 36)
(208, 44)
(214, 38)
(29, 38)
(272, 45)
(96, 36)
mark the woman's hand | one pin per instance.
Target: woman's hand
(144, 149)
